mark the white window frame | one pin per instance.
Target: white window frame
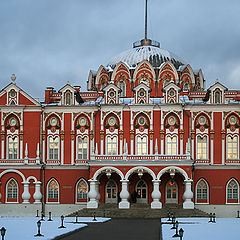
(202, 136)
(12, 136)
(196, 188)
(77, 144)
(106, 148)
(142, 200)
(70, 101)
(48, 147)
(166, 144)
(53, 202)
(7, 191)
(227, 147)
(123, 92)
(227, 200)
(136, 139)
(76, 190)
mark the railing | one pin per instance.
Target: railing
(24, 161)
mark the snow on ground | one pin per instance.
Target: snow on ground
(200, 229)
(26, 228)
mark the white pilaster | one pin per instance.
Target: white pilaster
(21, 149)
(211, 151)
(121, 147)
(223, 151)
(181, 146)
(192, 148)
(124, 195)
(62, 151)
(43, 151)
(156, 195)
(151, 146)
(72, 152)
(101, 146)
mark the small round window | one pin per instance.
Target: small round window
(12, 93)
(112, 94)
(202, 120)
(82, 121)
(232, 120)
(171, 120)
(141, 120)
(53, 121)
(12, 121)
(112, 121)
(171, 93)
(142, 93)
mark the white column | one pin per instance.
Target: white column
(37, 195)
(92, 195)
(151, 146)
(26, 195)
(156, 195)
(188, 195)
(102, 146)
(132, 151)
(124, 195)
(193, 148)
(62, 151)
(72, 151)
(211, 151)
(181, 146)
(43, 151)
(223, 151)
(121, 147)
(162, 146)
(21, 149)
(2, 148)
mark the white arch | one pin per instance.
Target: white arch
(191, 74)
(151, 70)
(97, 173)
(76, 187)
(115, 71)
(148, 170)
(229, 181)
(115, 115)
(32, 178)
(6, 191)
(174, 70)
(14, 171)
(175, 168)
(50, 180)
(196, 187)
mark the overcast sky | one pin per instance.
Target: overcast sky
(49, 42)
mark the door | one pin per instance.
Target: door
(141, 189)
(171, 192)
(111, 192)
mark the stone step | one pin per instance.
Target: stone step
(140, 211)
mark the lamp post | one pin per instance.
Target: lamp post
(238, 216)
(181, 233)
(176, 234)
(3, 231)
(38, 226)
(76, 215)
(174, 224)
(94, 216)
(62, 219)
(169, 216)
(214, 218)
(49, 216)
(37, 213)
(210, 220)
(42, 217)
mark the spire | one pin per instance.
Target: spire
(146, 20)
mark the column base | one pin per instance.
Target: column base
(124, 205)
(92, 204)
(37, 202)
(188, 205)
(156, 205)
(25, 202)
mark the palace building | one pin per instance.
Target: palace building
(146, 131)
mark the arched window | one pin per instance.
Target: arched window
(122, 86)
(12, 147)
(53, 148)
(232, 191)
(186, 87)
(171, 145)
(202, 191)
(82, 190)
(141, 189)
(217, 96)
(53, 190)
(202, 149)
(171, 192)
(82, 147)
(68, 98)
(12, 191)
(141, 147)
(111, 145)
(232, 147)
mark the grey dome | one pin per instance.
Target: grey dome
(156, 56)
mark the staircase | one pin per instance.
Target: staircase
(138, 210)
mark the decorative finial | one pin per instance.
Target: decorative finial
(13, 78)
(68, 82)
(217, 80)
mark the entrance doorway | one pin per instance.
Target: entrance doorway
(111, 192)
(171, 192)
(141, 189)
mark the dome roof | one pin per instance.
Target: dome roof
(155, 55)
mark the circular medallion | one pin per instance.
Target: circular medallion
(141, 129)
(232, 128)
(12, 93)
(232, 120)
(202, 128)
(171, 120)
(112, 94)
(82, 121)
(53, 121)
(12, 122)
(111, 129)
(171, 129)
(171, 93)
(112, 121)
(53, 129)
(142, 93)
(82, 129)
(12, 129)
(202, 120)
(141, 120)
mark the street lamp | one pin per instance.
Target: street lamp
(3, 231)
(94, 216)
(76, 217)
(62, 219)
(181, 233)
(49, 216)
(176, 234)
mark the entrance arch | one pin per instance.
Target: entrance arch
(171, 192)
(142, 191)
(111, 191)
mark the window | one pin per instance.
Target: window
(53, 190)
(68, 98)
(111, 189)
(141, 145)
(111, 145)
(13, 147)
(171, 145)
(185, 87)
(141, 189)
(232, 190)
(82, 148)
(53, 147)
(122, 86)
(12, 190)
(82, 190)
(217, 97)
(202, 147)
(232, 147)
(202, 190)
